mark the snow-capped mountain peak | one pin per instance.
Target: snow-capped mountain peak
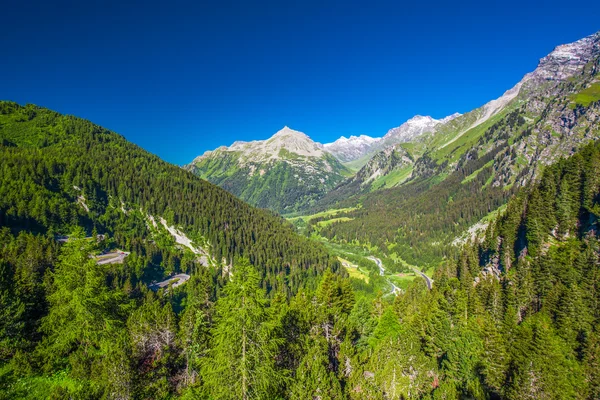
(361, 140)
(411, 129)
(348, 149)
(352, 148)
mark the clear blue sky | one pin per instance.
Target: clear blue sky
(179, 78)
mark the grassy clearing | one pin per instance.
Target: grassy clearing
(355, 165)
(327, 213)
(321, 224)
(402, 279)
(392, 179)
(354, 270)
(587, 96)
(429, 272)
(490, 180)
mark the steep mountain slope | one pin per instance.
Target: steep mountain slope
(387, 168)
(456, 134)
(474, 163)
(59, 172)
(283, 173)
(388, 160)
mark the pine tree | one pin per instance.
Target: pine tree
(314, 379)
(241, 361)
(83, 310)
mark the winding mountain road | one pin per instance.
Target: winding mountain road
(112, 258)
(428, 280)
(176, 280)
(377, 261)
(395, 289)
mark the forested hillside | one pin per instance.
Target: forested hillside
(59, 172)
(60, 175)
(514, 316)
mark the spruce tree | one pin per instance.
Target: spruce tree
(83, 310)
(241, 361)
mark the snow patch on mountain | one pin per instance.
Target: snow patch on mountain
(348, 149)
(354, 147)
(411, 129)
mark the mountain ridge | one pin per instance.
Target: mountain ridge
(284, 172)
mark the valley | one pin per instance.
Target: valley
(451, 258)
(464, 167)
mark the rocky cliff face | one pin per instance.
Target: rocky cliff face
(566, 60)
(553, 114)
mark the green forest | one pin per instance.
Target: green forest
(514, 315)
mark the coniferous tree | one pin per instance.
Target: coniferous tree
(83, 310)
(241, 361)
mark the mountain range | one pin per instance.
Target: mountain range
(289, 171)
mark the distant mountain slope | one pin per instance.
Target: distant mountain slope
(58, 172)
(283, 173)
(475, 162)
(445, 141)
(356, 147)
(413, 129)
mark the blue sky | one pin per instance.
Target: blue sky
(179, 78)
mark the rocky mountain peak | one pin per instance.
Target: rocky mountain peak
(293, 141)
(419, 119)
(567, 59)
(288, 132)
